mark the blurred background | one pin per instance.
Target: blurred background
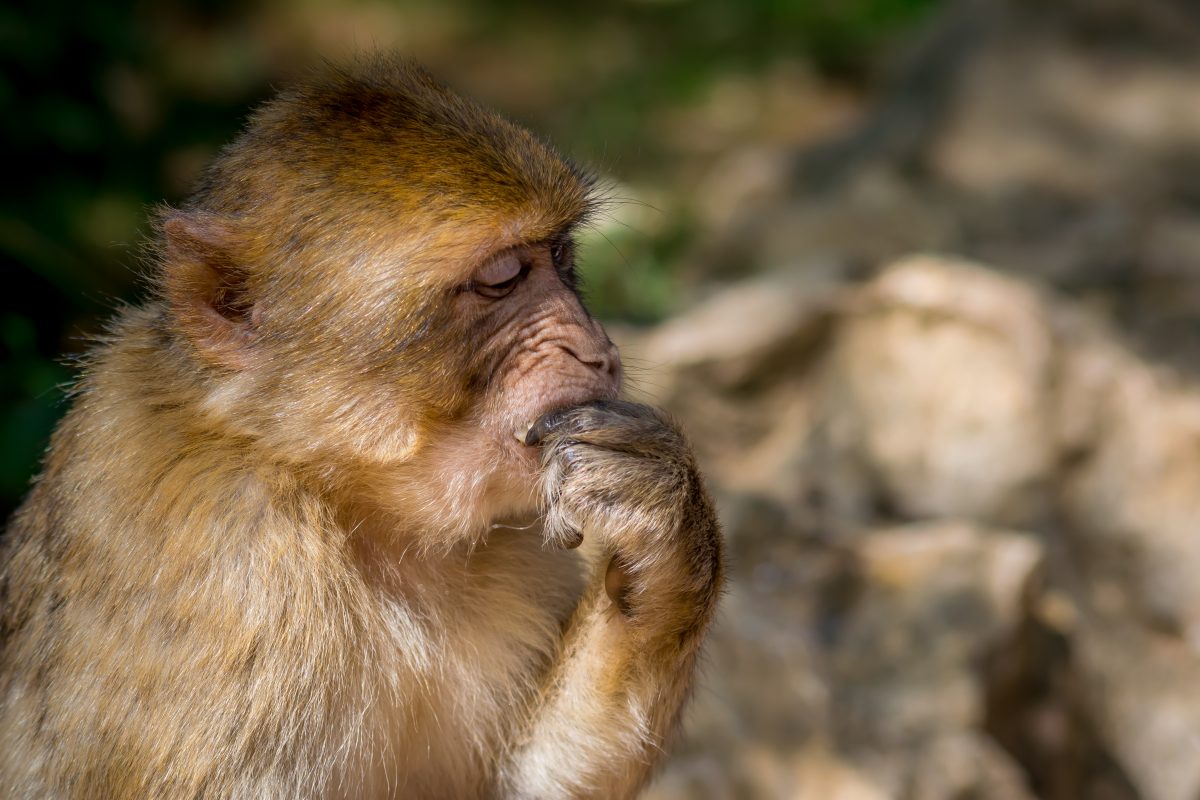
(921, 278)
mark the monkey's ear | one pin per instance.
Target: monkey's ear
(205, 284)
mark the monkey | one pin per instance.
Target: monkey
(310, 526)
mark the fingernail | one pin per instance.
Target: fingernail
(544, 425)
(522, 434)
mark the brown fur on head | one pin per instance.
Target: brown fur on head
(331, 277)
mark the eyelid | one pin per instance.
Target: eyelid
(498, 270)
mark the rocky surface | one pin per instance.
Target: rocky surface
(962, 493)
(963, 522)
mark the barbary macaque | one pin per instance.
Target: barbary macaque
(308, 528)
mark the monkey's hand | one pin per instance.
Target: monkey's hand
(623, 472)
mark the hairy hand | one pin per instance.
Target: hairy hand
(624, 471)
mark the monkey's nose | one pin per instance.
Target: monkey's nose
(604, 360)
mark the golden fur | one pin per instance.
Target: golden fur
(285, 542)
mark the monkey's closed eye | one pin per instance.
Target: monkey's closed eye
(500, 276)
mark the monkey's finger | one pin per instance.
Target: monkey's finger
(572, 539)
(576, 417)
(617, 584)
(563, 535)
(546, 424)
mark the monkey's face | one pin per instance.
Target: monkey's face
(539, 349)
(408, 378)
(406, 374)
(526, 345)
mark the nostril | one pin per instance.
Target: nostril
(610, 363)
(599, 361)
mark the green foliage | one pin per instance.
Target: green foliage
(109, 108)
(97, 127)
(31, 399)
(629, 276)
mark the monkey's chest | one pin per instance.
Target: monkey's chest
(461, 664)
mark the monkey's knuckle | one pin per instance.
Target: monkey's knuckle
(568, 460)
(644, 497)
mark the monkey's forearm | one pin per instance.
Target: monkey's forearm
(622, 472)
(603, 717)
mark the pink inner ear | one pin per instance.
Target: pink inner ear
(205, 286)
(498, 270)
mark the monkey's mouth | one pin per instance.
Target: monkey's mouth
(542, 408)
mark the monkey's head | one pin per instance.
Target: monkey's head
(375, 287)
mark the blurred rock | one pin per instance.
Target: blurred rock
(1131, 503)
(870, 445)
(808, 772)
(908, 696)
(936, 395)
(1134, 493)
(854, 673)
(746, 345)
(1144, 690)
(747, 328)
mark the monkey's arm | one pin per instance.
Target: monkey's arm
(604, 716)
